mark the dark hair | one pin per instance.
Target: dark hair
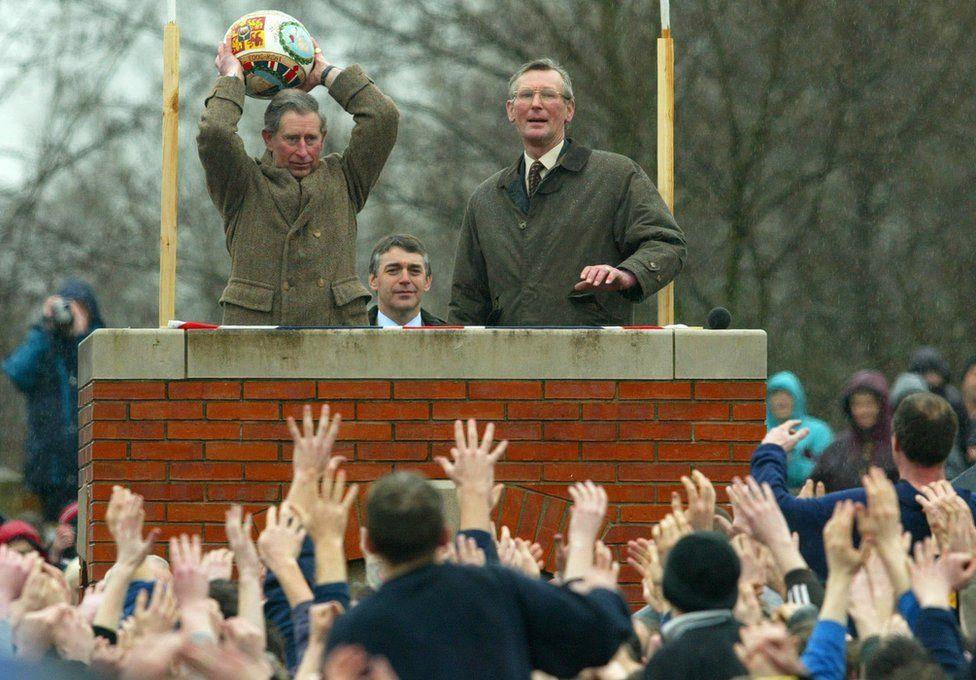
(925, 426)
(404, 517)
(287, 100)
(225, 593)
(406, 242)
(901, 658)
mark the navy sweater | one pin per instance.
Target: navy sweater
(456, 622)
(807, 516)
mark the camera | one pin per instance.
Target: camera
(62, 318)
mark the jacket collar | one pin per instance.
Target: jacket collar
(707, 618)
(573, 159)
(426, 318)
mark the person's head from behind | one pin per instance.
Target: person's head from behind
(923, 431)
(294, 132)
(901, 658)
(399, 272)
(540, 103)
(404, 519)
(702, 572)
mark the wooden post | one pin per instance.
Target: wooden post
(665, 144)
(168, 228)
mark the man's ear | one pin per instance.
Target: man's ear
(266, 136)
(427, 283)
(374, 283)
(510, 110)
(570, 110)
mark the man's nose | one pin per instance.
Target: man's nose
(404, 276)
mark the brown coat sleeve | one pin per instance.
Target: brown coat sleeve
(372, 139)
(470, 294)
(222, 153)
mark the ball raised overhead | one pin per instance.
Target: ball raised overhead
(274, 48)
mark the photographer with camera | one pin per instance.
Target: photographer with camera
(45, 369)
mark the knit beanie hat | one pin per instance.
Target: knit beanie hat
(15, 528)
(702, 572)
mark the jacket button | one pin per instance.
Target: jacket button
(521, 225)
(652, 265)
(317, 233)
(285, 286)
(321, 282)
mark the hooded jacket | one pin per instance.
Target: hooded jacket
(45, 369)
(801, 461)
(847, 459)
(929, 359)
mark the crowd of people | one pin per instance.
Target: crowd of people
(874, 581)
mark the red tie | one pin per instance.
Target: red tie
(535, 176)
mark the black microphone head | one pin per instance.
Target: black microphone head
(719, 319)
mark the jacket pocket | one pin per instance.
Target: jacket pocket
(350, 299)
(248, 294)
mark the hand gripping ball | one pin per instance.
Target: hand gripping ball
(275, 49)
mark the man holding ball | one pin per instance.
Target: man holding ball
(290, 216)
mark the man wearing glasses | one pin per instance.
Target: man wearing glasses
(567, 235)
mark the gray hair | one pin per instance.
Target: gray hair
(290, 100)
(409, 243)
(544, 64)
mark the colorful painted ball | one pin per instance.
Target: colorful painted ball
(275, 49)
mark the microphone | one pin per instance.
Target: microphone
(719, 319)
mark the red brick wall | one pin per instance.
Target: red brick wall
(193, 447)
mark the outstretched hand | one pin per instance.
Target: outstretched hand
(472, 469)
(785, 435)
(227, 64)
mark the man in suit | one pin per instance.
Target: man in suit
(399, 272)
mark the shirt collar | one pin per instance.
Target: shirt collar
(548, 159)
(383, 321)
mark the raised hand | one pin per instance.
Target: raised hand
(14, 570)
(669, 531)
(72, 636)
(880, 525)
(842, 556)
(643, 555)
(313, 444)
(281, 541)
(190, 583)
(219, 564)
(158, 616)
(949, 516)
(245, 636)
(784, 436)
(327, 521)
(585, 520)
(603, 573)
(472, 469)
(240, 541)
(701, 501)
(126, 528)
(227, 64)
(767, 650)
(811, 490)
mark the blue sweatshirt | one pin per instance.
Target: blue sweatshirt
(807, 516)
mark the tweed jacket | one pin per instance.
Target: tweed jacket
(519, 258)
(292, 242)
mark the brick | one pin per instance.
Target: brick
(124, 429)
(394, 410)
(425, 431)
(265, 430)
(618, 451)
(518, 472)
(516, 431)
(428, 470)
(85, 415)
(108, 410)
(578, 472)
(166, 450)
(347, 409)
(644, 513)
(542, 451)
(618, 411)
(84, 456)
(204, 389)
(366, 472)
(162, 491)
(168, 531)
(429, 389)
(627, 532)
(560, 491)
(196, 512)
(723, 473)
(528, 522)
(755, 411)
(366, 432)
(580, 389)
(553, 518)
(267, 472)
(247, 410)
(692, 451)
(353, 389)
(630, 493)
(655, 431)
(651, 472)
(738, 432)
(203, 429)
(244, 493)
(505, 390)
(166, 410)
(480, 410)
(205, 471)
(85, 435)
(743, 452)
(214, 533)
(128, 390)
(543, 410)
(581, 431)
(127, 471)
(109, 450)
(655, 389)
(628, 574)
(739, 389)
(511, 507)
(393, 451)
(693, 411)
(279, 389)
(85, 394)
(241, 451)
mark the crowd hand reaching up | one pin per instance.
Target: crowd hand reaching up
(33, 633)
(73, 638)
(603, 574)
(464, 551)
(934, 578)
(219, 564)
(747, 609)
(320, 619)
(785, 435)
(279, 545)
(768, 650)
(221, 661)
(310, 455)
(872, 602)
(753, 573)
(880, 525)
(585, 520)
(353, 663)
(643, 555)
(327, 522)
(14, 570)
(519, 554)
(669, 531)
(472, 469)
(843, 561)
(811, 490)
(701, 501)
(153, 615)
(759, 514)
(949, 517)
(250, 592)
(191, 586)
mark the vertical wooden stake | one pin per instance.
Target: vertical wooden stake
(168, 228)
(665, 152)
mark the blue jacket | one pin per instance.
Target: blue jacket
(807, 516)
(45, 369)
(806, 453)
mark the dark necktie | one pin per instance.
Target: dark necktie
(535, 176)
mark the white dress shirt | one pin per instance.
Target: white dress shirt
(548, 161)
(383, 321)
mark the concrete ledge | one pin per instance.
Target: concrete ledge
(470, 353)
(132, 354)
(731, 354)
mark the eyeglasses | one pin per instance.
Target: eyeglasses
(549, 95)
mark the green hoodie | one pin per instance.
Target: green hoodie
(801, 461)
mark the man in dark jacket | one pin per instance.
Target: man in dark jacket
(45, 369)
(399, 273)
(701, 582)
(567, 235)
(929, 363)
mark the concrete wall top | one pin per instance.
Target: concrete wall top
(469, 353)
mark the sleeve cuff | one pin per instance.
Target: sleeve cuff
(230, 88)
(348, 84)
(484, 541)
(332, 592)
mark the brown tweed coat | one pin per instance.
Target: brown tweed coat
(519, 258)
(293, 243)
